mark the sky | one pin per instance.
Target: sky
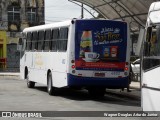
(60, 10)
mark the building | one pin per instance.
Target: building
(15, 15)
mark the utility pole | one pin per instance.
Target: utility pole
(82, 11)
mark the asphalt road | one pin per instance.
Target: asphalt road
(15, 96)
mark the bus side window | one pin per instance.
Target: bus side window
(55, 37)
(47, 40)
(24, 41)
(40, 40)
(29, 40)
(147, 42)
(63, 38)
(151, 48)
(34, 41)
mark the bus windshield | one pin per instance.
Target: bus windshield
(152, 48)
(100, 45)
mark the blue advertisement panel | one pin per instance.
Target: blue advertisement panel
(100, 44)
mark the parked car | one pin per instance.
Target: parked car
(136, 66)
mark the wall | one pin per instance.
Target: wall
(12, 29)
(13, 58)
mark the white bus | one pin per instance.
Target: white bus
(151, 61)
(91, 54)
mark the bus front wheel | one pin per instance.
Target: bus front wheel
(30, 84)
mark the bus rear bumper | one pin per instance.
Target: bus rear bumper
(100, 82)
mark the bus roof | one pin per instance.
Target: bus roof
(47, 26)
(154, 6)
(60, 24)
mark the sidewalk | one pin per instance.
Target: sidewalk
(9, 74)
(135, 85)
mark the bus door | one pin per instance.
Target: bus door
(151, 69)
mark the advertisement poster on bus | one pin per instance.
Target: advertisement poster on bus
(100, 45)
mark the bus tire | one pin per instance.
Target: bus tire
(50, 88)
(30, 84)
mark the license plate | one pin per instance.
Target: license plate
(100, 74)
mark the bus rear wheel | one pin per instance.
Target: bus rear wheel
(30, 84)
(50, 88)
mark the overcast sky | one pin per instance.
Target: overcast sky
(60, 10)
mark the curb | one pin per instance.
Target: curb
(9, 75)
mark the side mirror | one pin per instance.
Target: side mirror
(20, 41)
(21, 44)
(19, 47)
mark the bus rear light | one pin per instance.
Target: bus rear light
(119, 76)
(73, 66)
(126, 69)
